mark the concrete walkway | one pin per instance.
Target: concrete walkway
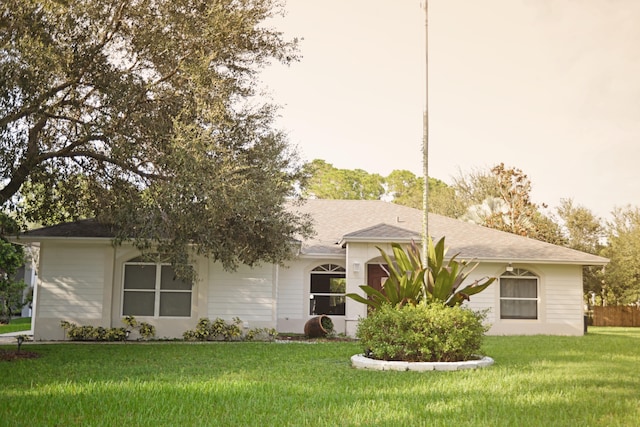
(10, 337)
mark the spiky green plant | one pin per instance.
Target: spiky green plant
(445, 278)
(410, 282)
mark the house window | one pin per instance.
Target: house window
(328, 287)
(518, 295)
(152, 289)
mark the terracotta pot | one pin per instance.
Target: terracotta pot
(314, 329)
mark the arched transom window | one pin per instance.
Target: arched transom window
(518, 295)
(327, 293)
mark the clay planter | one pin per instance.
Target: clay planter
(314, 327)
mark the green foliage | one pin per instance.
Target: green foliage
(328, 182)
(16, 325)
(401, 186)
(621, 283)
(422, 333)
(406, 189)
(445, 277)
(559, 381)
(501, 199)
(406, 282)
(218, 330)
(585, 232)
(92, 333)
(145, 115)
(11, 290)
(130, 321)
(261, 334)
(409, 282)
(146, 330)
(221, 330)
(327, 324)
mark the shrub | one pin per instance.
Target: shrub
(219, 329)
(146, 330)
(261, 334)
(92, 333)
(422, 333)
(130, 321)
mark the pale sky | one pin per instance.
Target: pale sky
(548, 86)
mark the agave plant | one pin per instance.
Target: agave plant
(410, 282)
(444, 281)
(405, 284)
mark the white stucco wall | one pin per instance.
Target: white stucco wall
(294, 282)
(560, 306)
(559, 295)
(71, 286)
(247, 293)
(81, 282)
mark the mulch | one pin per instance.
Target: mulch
(10, 355)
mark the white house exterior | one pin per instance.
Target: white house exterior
(84, 278)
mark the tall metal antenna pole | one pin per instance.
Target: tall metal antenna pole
(425, 142)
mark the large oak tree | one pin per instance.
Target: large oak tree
(143, 113)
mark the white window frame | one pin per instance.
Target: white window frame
(520, 274)
(157, 291)
(326, 269)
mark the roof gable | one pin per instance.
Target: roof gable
(381, 232)
(344, 221)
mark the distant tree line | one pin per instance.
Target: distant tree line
(499, 198)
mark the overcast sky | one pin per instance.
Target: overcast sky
(548, 86)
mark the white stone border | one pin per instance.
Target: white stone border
(359, 361)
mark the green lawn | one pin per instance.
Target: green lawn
(16, 325)
(536, 381)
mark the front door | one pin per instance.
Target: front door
(376, 276)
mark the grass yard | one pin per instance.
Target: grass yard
(536, 381)
(16, 325)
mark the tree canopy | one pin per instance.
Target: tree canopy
(403, 187)
(142, 113)
(329, 182)
(622, 276)
(501, 199)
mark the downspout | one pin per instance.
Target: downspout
(113, 283)
(34, 302)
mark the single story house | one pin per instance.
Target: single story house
(84, 278)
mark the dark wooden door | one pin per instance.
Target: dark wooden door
(376, 275)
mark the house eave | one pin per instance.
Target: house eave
(343, 242)
(322, 255)
(539, 261)
(36, 239)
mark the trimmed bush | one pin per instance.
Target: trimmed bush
(92, 333)
(218, 330)
(422, 333)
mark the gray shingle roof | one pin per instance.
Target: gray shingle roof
(341, 221)
(381, 232)
(81, 228)
(338, 222)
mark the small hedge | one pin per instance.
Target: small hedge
(221, 330)
(98, 333)
(92, 333)
(422, 333)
